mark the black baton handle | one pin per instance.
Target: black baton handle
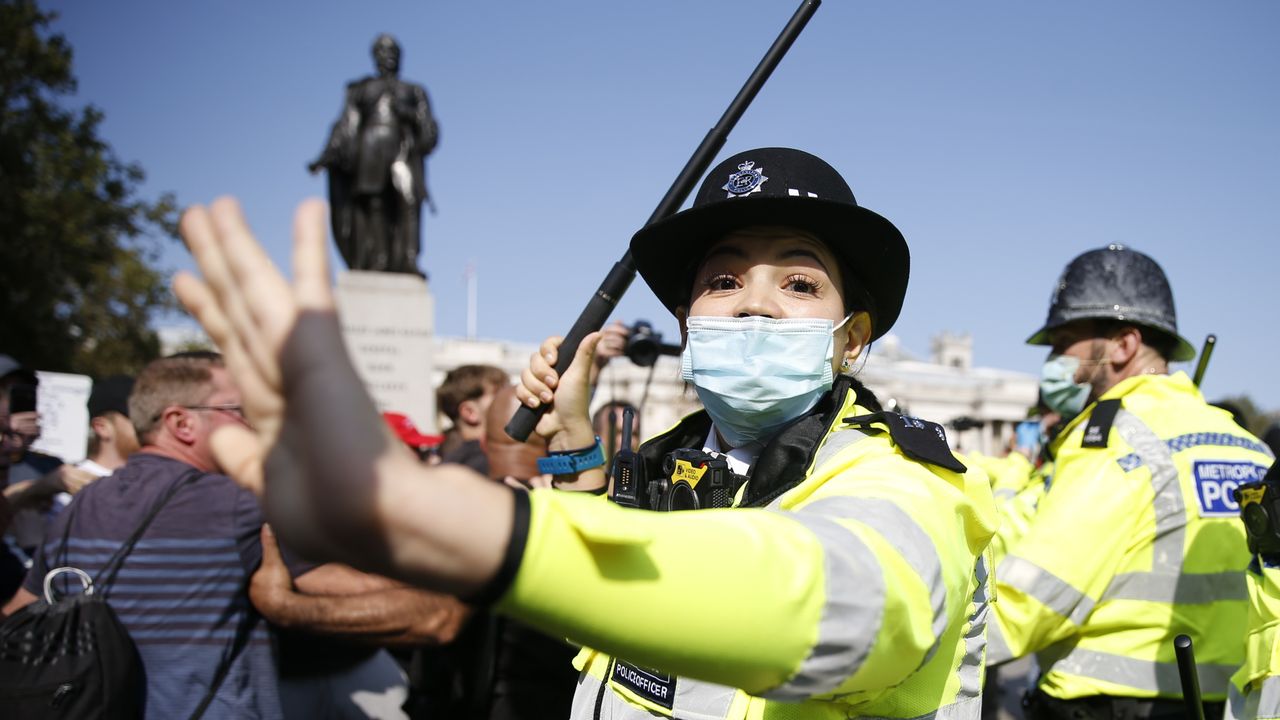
(1190, 680)
(1205, 353)
(615, 284)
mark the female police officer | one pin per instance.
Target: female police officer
(847, 582)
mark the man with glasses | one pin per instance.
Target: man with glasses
(181, 593)
(184, 592)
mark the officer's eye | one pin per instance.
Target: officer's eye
(803, 284)
(723, 281)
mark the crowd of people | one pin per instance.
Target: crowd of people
(274, 547)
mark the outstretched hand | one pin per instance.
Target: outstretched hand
(335, 483)
(311, 419)
(249, 310)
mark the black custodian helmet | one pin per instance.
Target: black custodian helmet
(1115, 283)
(779, 186)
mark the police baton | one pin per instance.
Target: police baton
(619, 278)
(1187, 671)
(1205, 353)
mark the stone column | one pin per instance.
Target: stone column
(388, 322)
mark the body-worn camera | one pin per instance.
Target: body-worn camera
(1260, 511)
(690, 480)
(644, 344)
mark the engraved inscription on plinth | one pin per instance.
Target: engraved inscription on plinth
(388, 320)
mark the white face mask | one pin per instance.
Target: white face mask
(1059, 388)
(756, 374)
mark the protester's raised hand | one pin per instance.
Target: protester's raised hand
(248, 310)
(314, 431)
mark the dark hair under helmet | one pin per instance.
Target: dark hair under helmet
(1115, 283)
(785, 187)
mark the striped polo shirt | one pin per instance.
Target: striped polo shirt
(181, 593)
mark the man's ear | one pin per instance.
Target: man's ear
(102, 428)
(1128, 343)
(180, 424)
(469, 412)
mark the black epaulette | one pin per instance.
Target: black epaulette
(918, 439)
(1098, 430)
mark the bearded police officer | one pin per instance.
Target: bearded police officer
(1137, 541)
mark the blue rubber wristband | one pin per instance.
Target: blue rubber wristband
(573, 461)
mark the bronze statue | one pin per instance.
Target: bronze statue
(375, 158)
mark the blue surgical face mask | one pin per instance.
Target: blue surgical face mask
(756, 374)
(1059, 388)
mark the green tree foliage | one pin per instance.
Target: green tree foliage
(1256, 420)
(77, 244)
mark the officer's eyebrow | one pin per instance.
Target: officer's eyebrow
(803, 252)
(724, 249)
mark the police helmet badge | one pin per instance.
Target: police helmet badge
(747, 180)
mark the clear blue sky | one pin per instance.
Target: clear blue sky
(1003, 138)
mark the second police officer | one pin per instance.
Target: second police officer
(1137, 541)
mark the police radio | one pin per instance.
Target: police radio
(628, 467)
(1260, 510)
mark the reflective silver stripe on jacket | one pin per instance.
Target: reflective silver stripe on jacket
(852, 611)
(975, 640)
(1166, 582)
(1145, 675)
(965, 709)
(1181, 589)
(1169, 509)
(892, 523)
(997, 647)
(1268, 698)
(901, 531)
(1050, 590)
(1262, 702)
(694, 700)
(835, 443)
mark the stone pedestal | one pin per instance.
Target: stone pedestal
(388, 322)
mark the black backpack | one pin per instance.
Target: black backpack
(73, 658)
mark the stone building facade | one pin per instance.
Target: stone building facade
(978, 406)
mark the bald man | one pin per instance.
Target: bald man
(516, 463)
(511, 461)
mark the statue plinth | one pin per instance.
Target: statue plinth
(388, 322)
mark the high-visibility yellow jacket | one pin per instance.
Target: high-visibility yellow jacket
(1255, 688)
(1017, 509)
(859, 591)
(1136, 543)
(1009, 474)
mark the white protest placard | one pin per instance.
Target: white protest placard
(62, 401)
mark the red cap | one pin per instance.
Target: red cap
(408, 433)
